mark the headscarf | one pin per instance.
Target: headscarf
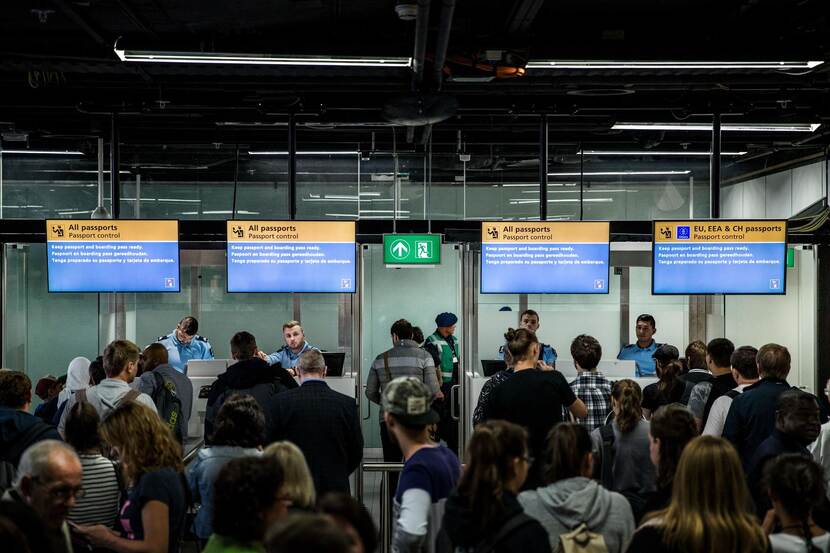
(77, 378)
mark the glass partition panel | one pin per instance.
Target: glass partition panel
(789, 320)
(43, 332)
(415, 294)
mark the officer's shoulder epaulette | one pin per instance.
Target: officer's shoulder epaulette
(201, 339)
(282, 349)
(161, 338)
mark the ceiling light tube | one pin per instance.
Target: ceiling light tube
(745, 127)
(43, 152)
(306, 153)
(145, 56)
(622, 173)
(566, 65)
(652, 153)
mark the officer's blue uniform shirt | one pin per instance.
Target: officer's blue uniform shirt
(178, 354)
(548, 354)
(287, 358)
(642, 357)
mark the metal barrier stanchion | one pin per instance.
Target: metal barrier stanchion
(385, 506)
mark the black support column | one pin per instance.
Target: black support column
(714, 168)
(543, 168)
(292, 167)
(115, 162)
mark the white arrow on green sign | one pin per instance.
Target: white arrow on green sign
(412, 249)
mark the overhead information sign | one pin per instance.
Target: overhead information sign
(544, 257)
(412, 249)
(719, 257)
(112, 256)
(291, 256)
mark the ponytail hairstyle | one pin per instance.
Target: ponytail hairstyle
(669, 375)
(567, 445)
(675, 427)
(797, 483)
(490, 455)
(629, 398)
(520, 343)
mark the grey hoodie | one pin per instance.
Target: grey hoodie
(104, 398)
(564, 505)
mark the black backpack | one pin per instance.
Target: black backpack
(168, 404)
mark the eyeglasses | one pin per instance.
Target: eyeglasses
(63, 493)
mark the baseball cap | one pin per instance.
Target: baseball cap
(409, 399)
(666, 352)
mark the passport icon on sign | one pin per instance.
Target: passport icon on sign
(684, 233)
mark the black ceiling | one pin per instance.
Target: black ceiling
(60, 77)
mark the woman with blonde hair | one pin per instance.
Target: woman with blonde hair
(152, 517)
(708, 509)
(298, 485)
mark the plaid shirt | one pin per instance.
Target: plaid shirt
(595, 392)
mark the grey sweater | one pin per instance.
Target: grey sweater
(564, 505)
(633, 470)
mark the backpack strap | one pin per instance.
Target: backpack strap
(732, 394)
(80, 395)
(386, 367)
(607, 455)
(129, 396)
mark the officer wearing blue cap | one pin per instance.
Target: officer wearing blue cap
(183, 344)
(642, 351)
(444, 348)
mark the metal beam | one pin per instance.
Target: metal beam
(714, 168)
(115, 163)
(543, 168)
(292, 167)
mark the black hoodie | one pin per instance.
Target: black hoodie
(466, 531)
(253, 377)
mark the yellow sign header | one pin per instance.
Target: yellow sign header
(512, 232)
(291, 231)
(106, 230)
(720, 230)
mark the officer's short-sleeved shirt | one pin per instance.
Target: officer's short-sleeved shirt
(641, 356)
(546, 354)
(178, 354)
(287, 358)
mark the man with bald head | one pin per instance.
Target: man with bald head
(48, 481)
(156, 372)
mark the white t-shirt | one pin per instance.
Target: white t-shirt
(718, 412)
(787, 543)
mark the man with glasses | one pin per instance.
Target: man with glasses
(49, 481)
(183, 344)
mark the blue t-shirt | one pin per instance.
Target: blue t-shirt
(641, 356)
(433, 469)
(164, 485)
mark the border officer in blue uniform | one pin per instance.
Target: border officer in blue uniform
(183, 344)
(643, 349)
(529, 320)
(295, 345)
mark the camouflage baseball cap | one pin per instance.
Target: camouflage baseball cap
(408, 399)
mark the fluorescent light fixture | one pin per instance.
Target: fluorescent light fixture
(145, 56)
(522, 201)
(744, 127)
(307, 153)
(652, 153)
(43, 152)
(566, 65)
(622, 173)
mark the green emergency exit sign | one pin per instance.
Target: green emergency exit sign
(412, 249)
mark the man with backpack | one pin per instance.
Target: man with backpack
(170, 389)
(121, 366)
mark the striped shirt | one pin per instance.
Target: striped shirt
(102, 493)
(405, 359)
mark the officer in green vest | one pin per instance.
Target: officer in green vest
(443, 346)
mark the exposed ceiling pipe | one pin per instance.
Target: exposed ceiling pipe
(421, 32)
(442, 41)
